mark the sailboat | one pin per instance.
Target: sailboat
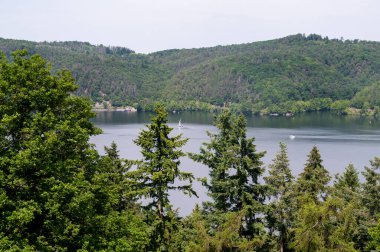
(180, 126)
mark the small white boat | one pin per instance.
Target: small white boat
(180, 126)
(292, 137)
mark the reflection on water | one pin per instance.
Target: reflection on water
(340, 139)
(315, 120)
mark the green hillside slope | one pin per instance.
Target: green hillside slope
(294, 73)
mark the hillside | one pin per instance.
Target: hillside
(294, 73)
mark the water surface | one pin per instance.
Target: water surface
(340, 139)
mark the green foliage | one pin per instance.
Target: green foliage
(38, 130)
(368, 97)
(58, 194)
(340, 106)
(347, 185)
(280, 216)
(156, 173)
(235, 168)
(371, 187)
(52, 194)
(347, 189)
(320, 228)
(291, 74)
(375, 234)
(312, 182)
(197, 234)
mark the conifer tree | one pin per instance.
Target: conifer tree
(312, 182)
(116, 172)
(371, 187)
(235, 167)
(282, 206)
(375, 235)
(369, 205)
(217, 155)
(323, 226)
(355, 218)
(157, 173)
(347, 185)
(113, 193)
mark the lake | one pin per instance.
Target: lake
(340, 139)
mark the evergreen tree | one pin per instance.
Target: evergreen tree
(117, 219)
(281, 207)
(312, 182)
(347, 189)
(196, 234)
(118, 174)
(235, 167)
(347, 185)
(323, 226)
(371, 187)
(157, 173)
(375, 234)
(217, 155)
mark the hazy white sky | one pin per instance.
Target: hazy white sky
(153, 25)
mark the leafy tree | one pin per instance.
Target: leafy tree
(45, 155)
(290, 74)
(313, 180)
(281, 207)
(49, 172)
(157, 173)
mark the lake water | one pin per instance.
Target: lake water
(340, 139)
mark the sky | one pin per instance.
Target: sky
(153, 25)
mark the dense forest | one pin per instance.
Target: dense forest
(57, 193)
(292, 74)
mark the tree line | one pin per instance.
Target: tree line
(57, 193)
(293, 74)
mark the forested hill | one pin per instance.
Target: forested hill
(253, 77)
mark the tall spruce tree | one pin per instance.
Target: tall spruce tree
(123, 227)
(375, 235)
(371, 187)
(370, 205)
(217, 155)
(347, 185)
(354, 221)
(158, 172)
(323, 226)
(235, 167)
(282, 205)
(312, 182)
(348, 180)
